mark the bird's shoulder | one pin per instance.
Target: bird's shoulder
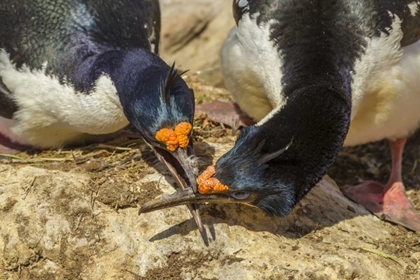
(407, 11)
(373, 17)
(33, 33)
(262, 8)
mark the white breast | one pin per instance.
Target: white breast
(52, 114)
(385, 87)
(251, 67)
(386, 90)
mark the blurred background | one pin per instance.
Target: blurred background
(192, 34)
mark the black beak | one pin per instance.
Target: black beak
(189, 196)
(184, 170)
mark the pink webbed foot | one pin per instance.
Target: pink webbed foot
(225, 112)
(9, 147)
(388, 202)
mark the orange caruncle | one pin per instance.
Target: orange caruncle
(168, 137)
(174, 139)
(182, 130)
(208, 185)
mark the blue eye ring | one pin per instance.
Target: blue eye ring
(239, 195)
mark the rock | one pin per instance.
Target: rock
(193, 33)
(55, 227)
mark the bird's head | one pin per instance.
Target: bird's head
(275, 163)
(249, 173)
(161, 107)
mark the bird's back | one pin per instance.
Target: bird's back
(367, 49)
(52, 50)
(64, 32)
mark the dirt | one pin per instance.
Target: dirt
(121, 174)
(72, 213)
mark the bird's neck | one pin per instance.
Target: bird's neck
(114, 82)
(316, 82)
(126, 69)
(317, 119)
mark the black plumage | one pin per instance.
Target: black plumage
(72, 69)
(325, 73)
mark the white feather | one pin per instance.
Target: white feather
(252, 68)
(385, 89)
(414, 7)
(51, 114)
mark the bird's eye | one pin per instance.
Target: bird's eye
(240, 195)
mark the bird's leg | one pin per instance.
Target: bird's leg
(7, 146)
(389, 201)
(225, 112)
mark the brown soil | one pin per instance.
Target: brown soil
(114, 168)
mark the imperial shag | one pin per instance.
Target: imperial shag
(316, 75)
(72, 69)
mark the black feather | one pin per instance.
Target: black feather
(166, 85)
(256, 151)
(267, 157)
(7, 105)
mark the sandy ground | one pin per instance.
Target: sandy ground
(72, 214)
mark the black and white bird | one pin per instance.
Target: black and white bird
(73, 69)
(317, 75)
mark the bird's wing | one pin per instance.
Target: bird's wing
(411, 23)
(8, 25)
(382, 13)
(154, 23)
(408, 11)
(11, 28)
(7, 105)
(33, 32)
